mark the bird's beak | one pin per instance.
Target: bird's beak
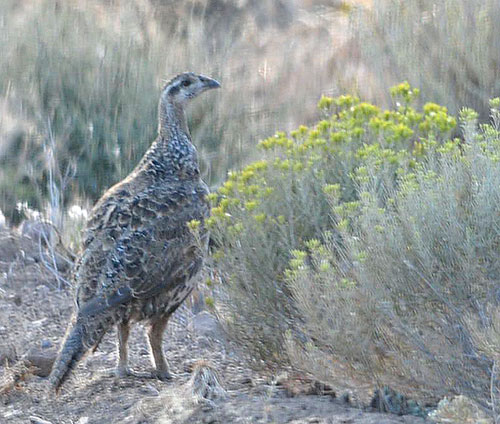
(209, 82)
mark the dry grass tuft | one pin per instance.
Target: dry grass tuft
(15, 375)
(205, 383)
(460, 410)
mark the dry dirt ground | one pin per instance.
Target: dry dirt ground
(34, 313)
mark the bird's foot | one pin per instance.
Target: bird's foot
(118, 372)
(163, 375)
(123, 372)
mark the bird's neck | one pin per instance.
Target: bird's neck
(173, 152)
(172, 121)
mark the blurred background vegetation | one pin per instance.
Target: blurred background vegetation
(80, 79)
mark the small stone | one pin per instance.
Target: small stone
(322, 389)
(38, 322)
(345, 398)
(150, 390)
(45, 344)
(280, 379)
(208, 406)
(390, 401)
(247, 381)
(42, 361)
(38, 420)
(16, 299)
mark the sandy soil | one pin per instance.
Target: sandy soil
(34, 313)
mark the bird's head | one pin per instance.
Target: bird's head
(184, 87)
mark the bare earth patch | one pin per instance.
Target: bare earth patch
(34, 313)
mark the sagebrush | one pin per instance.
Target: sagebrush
(366, 247)
(276, 205)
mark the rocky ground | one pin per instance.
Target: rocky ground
(34, 310)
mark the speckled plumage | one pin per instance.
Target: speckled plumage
(139, 256)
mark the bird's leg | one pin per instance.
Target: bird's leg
(155, 335)
(122, 365)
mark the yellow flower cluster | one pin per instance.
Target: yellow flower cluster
(352, 140)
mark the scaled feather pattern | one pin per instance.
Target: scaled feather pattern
(139, 257)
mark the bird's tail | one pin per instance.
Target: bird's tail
(80, 337)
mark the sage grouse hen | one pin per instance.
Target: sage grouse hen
(139, 255)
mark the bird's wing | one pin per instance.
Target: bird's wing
(138, 247)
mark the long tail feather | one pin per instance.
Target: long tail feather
(80, 337)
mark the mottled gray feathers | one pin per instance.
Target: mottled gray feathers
(139, 257)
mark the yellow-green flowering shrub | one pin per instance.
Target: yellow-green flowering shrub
(275, 206)
(405, 287)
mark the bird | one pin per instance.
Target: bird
(140, 255)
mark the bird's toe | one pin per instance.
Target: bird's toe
(153, 374)
(162, 375)
(118, 372)
(121, 372)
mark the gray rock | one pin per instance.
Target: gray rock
(41, 360)
(206, 325)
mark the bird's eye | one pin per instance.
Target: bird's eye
(186, 83)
